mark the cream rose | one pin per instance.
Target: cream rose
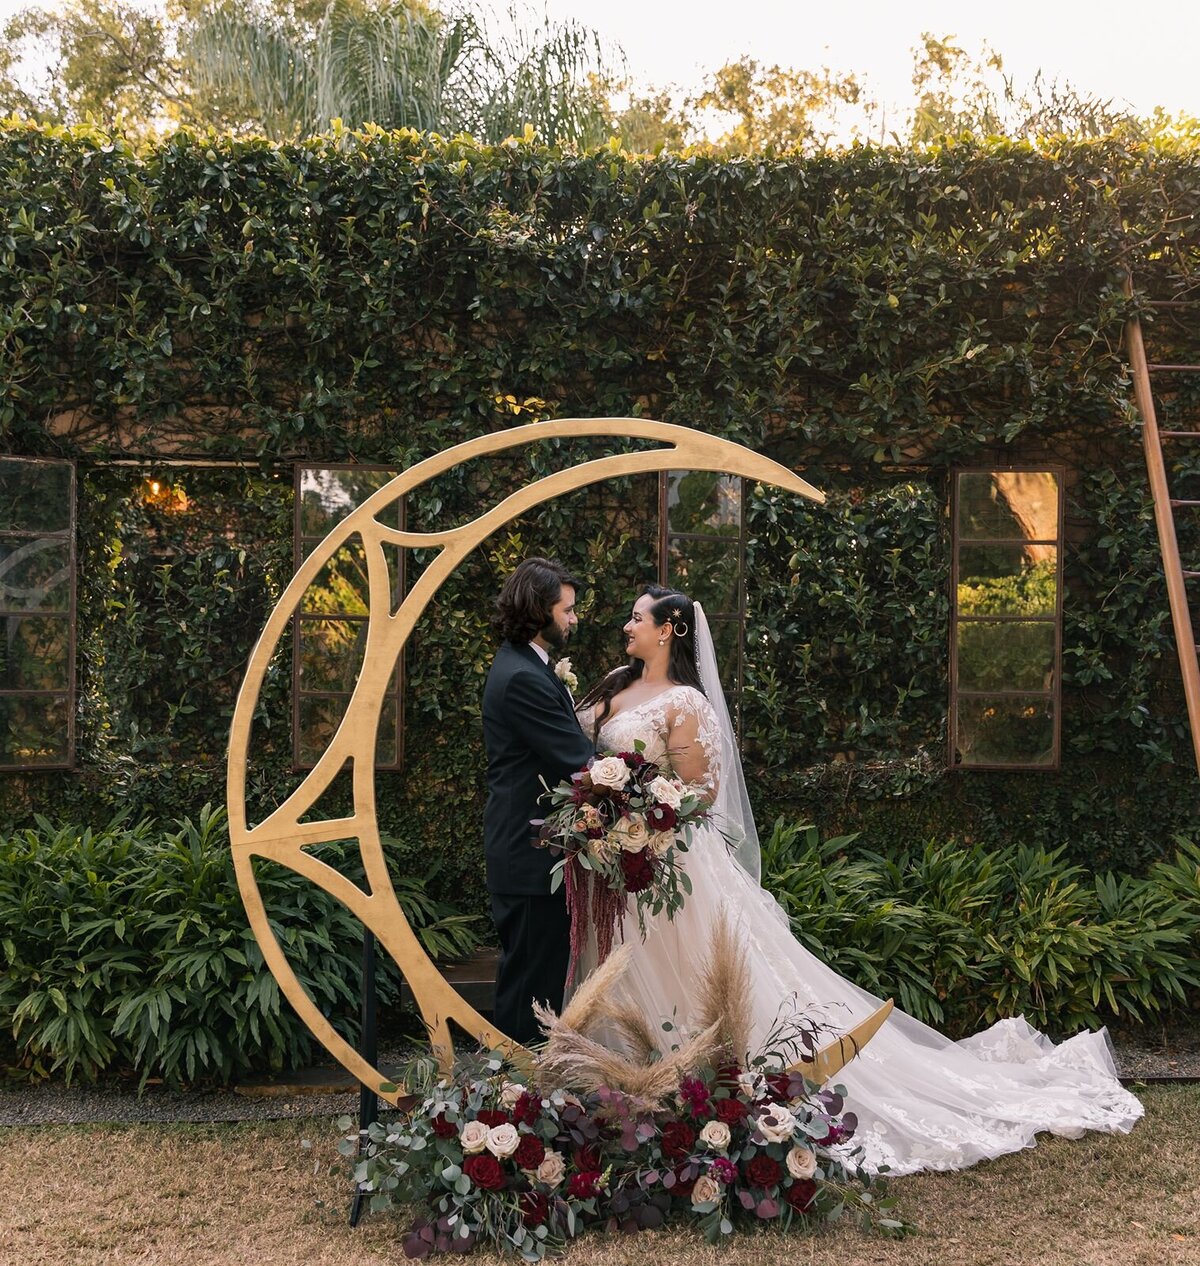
(776, 1124)
(502, 1140)
(631, 834)
(510, 1092)
(660, 841)
(750, 1084)
(667, 791)
(801, 1163)
(716, 1135)
(552, 1169)
(610, 771)
(473, 1137)
(706, 1189)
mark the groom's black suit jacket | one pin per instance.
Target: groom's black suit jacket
(531, 733)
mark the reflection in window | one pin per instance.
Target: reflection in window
(1006, 626)
(330, 628)
(702, 552)
(37, 606)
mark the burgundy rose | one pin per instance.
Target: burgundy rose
(586, 1157)
(444, 1129)
(483, 1169)
(678, 1138)
(635, 760)
(534, 1207)
(584, 1185)
(763, 1171)
(530, 1153)
(661, 818)
(730, 1111)
(637, 870)
(527, 1109)
(781, 1086)
(800, 1194)
(492, 1117)
(683, 1186)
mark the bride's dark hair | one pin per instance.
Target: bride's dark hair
(669, 607)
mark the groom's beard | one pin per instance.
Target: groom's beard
(555, 637)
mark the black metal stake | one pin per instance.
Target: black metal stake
(368, 1100)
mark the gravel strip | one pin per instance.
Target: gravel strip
(1143, 1053)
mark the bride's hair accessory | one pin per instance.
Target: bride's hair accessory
(680, 626)
(731, 808)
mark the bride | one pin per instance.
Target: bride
(922, 1100)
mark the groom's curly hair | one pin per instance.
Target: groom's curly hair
(524, 605)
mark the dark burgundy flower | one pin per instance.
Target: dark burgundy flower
(534, 1207)
(763, 1171)
(781, 1086)
(683, 1186)
(586, 1157)
(723, 1170)
(530, 1153)
(635, 760)
(637, 870)
(527, 1109)
(800, 1194)
(731, 1111)
(492, 1117)
(694, 1094)
(661, 818)
(483, 1169)
(442, 1128)
(584, 1185)
(728, 1074)
(678, 1138)
(836, 1135)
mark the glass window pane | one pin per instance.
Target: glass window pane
(33, 653)
(1007, 504)
(331, 653)
(35, 496)
(1007, 579)
(1005, 731)
(708, 572)
(703, 501)
(34, 730)
(35, 575)
(340, 587)
(1006, 655)
(327, 496)
(320, 716)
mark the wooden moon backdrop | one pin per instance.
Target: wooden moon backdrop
(285, 835)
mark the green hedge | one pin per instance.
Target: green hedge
(873, 317)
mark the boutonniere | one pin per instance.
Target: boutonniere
(562, 670)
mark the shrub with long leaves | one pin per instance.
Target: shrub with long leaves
(126, 947)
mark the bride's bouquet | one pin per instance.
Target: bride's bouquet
(621, 826)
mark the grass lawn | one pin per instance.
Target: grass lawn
(174, 1195)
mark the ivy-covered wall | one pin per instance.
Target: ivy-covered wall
(872, 318)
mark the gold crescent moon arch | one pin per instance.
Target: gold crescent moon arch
(284, 835)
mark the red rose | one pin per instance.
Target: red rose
(442, 1128)
(762, 1171)
(661, 818)
(800, 1194)
(677, 1140)
(585, 1185)
(586, 1157)
(730, 1111)
(781, 1086)
(484, 1171)
(530, 1153)
(534, 1206)
(527, 1109)
(492, 1118)
(637, 870)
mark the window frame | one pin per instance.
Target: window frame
(69, 692)
(1054, 695)
(299, 553)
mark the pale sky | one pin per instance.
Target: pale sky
(1145, 54)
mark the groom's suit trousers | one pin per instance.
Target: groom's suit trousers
(535, 939)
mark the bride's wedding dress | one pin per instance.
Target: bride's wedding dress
(923, 1101)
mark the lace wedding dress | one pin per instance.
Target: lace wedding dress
(923, 1101)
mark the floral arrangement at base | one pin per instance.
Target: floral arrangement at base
(621, 826)
(490, 1159)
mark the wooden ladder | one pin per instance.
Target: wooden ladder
(1178, 577)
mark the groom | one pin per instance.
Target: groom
(531, 734)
